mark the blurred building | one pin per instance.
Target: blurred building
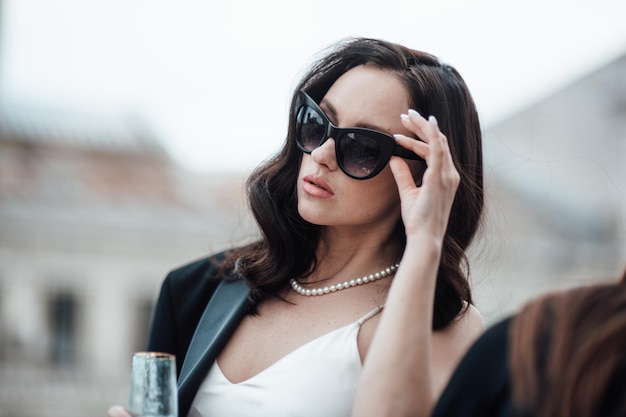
(92, 216)
(556, 194)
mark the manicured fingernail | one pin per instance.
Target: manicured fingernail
(413, 112)
(404, 116)
(397, 135)
(433, 120)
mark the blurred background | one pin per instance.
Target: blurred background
(127, 128)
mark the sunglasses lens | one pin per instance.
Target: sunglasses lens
(359, 154)
(311, 128)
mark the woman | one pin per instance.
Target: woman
(366, 205)
(563, 354)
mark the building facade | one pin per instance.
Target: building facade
(93, 214)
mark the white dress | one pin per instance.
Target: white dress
(318, 379)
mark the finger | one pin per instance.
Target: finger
(423, 128)
(416, 146)
(437, 142)
(118, 411)
(441, 159)
(434, 150)
(440, 156)
(443, 148)
(402, 174)
(441, 137)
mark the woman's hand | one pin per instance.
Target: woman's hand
(118, 411)
(426, 208)
(398, 377)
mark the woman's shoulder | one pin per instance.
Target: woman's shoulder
(490, 343)
(468, 325)
(479, 385)
(453, 341)
(461, 332)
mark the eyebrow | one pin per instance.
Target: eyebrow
(333, 114)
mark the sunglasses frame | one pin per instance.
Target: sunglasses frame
(387, 144)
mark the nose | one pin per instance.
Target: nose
(325, 155)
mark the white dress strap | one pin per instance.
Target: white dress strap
(370, 315)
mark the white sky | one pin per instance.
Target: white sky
(214, 79)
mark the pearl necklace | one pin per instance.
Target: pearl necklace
(342, 286)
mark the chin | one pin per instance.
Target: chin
(311, 216)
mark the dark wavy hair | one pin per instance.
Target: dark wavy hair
(288, 244)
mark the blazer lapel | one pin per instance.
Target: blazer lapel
(221, 317)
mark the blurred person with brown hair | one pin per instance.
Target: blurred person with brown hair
(581, 371)
(562, 355)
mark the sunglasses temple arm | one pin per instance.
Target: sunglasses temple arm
(405, 153)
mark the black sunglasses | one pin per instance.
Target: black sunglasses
(361, 153)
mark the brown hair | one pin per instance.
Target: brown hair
(288, 244)
(568, 353)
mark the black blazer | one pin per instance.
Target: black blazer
(186, 300)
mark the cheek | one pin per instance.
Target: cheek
(305, 162)
(386, 186)
(299, 180)
(379, 194)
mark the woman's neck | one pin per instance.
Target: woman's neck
(342, 254)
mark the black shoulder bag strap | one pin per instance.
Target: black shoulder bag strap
(222, 315)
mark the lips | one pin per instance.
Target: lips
(317, 187)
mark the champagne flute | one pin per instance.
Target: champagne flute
(153, 385)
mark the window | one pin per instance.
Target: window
(63, 328)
